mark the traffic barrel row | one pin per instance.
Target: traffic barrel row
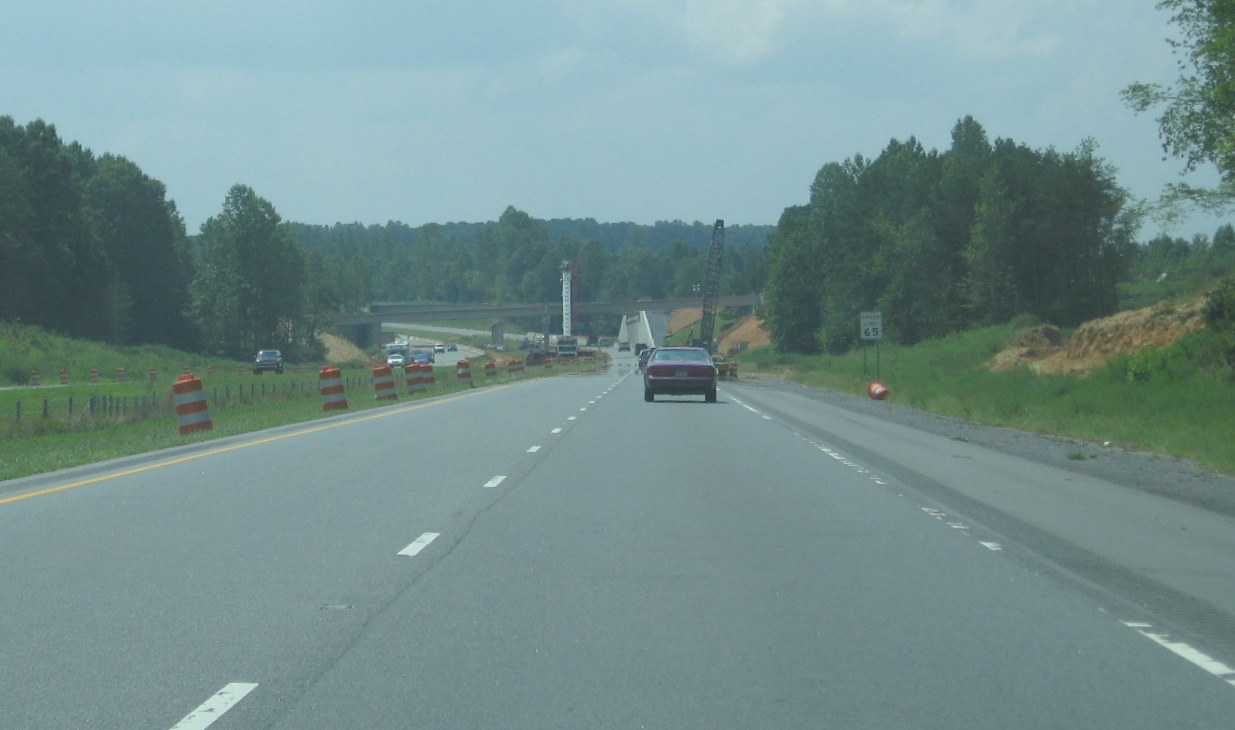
(463, 371)
(514, 367)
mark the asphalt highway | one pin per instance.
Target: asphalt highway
(560, 554)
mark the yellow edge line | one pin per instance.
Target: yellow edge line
(223, 450)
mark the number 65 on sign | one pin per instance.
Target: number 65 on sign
(871, 325)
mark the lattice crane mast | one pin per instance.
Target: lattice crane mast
(711, 286)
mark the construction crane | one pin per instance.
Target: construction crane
(711, 286)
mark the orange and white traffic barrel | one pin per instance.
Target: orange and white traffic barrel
(414, 379)
(122, 375)
(94, 376)
(35, 378)
(490, 370)
(64, 376)
(515, 367)
(191, 405)
(877, 390)
(463, 371)
(384, 383)
(330, 382)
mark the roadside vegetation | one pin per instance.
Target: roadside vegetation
(1176, 400)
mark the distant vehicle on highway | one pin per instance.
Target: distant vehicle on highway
(422, 358)
(268, 360)
(680, 371)
(396, 359)
(452, 347)
(623, 346)
(644, 354)
(439, 347)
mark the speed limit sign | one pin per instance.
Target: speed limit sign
(870, 324)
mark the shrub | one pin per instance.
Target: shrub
(1220, 316)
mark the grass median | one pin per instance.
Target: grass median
(56, 427)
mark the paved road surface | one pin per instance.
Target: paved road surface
(560, 554)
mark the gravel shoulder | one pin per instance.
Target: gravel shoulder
(1166, 476)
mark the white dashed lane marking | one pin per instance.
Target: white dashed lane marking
(419, 544)
(213, 708)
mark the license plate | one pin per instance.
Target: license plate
(680, 373)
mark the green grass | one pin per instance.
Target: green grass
(1177, 401)
(51, 427)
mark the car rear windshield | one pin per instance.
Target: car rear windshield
(680, 356)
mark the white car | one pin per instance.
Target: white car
(439, 347)
(396, 360)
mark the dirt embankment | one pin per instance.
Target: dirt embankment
(1044, 350)
(339, 349)
(747, 332)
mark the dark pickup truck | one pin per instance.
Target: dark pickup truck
(268, 360)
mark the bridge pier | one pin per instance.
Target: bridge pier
(361, 334)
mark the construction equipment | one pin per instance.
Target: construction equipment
(711, 287)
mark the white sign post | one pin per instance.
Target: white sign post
(870, 325)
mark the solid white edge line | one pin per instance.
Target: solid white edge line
(213, 708)
(1186, 652)
(495, 481)
(419, 544)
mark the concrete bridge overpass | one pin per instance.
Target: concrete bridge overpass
(365, 329)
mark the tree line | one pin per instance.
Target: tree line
(92, 247)
(519, 258)
(942, 241)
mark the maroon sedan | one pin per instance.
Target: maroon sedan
(680, 371)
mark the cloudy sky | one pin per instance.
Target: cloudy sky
(620, 110)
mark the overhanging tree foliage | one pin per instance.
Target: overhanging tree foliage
(1197, 122)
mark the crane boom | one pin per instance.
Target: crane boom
(711, 286)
